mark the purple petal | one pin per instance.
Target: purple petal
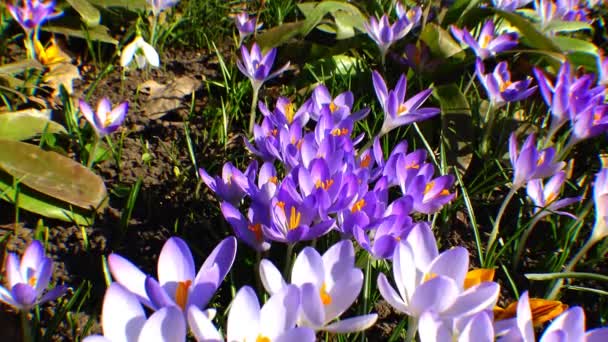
(24, 295)
(129, 276)
(122, 317)
(166, 324)
(175, 262)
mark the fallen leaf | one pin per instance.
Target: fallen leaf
(61, 74)
(164, 98)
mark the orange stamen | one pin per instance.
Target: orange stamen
(181, 293)
(358, 206)
(325, 297)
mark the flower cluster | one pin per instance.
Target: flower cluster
(313, 182)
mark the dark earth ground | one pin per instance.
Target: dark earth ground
(168, 204)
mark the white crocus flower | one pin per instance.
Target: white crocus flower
(143, 53)
(329, 285)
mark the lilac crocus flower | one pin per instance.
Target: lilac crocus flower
(161, 5)
(499, 86)
(530, 163)
(545, 196)
(478, 328)
(248, 229)
(385, 238)
(430, 194)
(106, 120)
(590, 122)
(429, 281)
(245, 25)
(557, 96)
(569, 326)
(256, 66)
(510, 5)
(600, 200)
(177, 283)
(32, 13)
(275, 321)
(124, 319)
(29, 278)
(328, 284)
(397, 111)
(487, 44)
(385, 34)
(231, 186)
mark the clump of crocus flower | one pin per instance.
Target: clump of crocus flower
(499, 86)
(488, 44)
(28, 279)
(140, 51)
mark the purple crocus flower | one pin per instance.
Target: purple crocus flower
(177, 283)
(569, 326)
(106, 120)
(429, 194)
(487, 44)
(124, 319)
(29, 278)
(245, 25)
(385, 34)
(329, 285)
(530, 163)
(32, 13)
(232, 185)
(256, 66)
(477, 328)
(558, 95)
(387, 235)
(161, 5)
(397, 111)
(429, 281)
(545, 196)
(248, 229)
(589, 123)
(499, 86)
(510, 5)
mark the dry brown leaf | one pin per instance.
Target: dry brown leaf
(167, 97)
(61, 74)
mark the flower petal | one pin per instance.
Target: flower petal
(122, 317)
(353, 324)
(201, 326)
(166, 324)
(308, 268)
(129, 276)
(244, 316)
(271, 277)
(175, 262)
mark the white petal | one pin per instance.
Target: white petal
(436, 294)
(280, 312)
(405, 272)
(390, 295)
(244, 316)
(201, 326)
(308, 268)
(479, 329)
(271, 277)
(122, 317)
(150, 53)
(524, 318)
(126, 57)
(129, 276)
(166, 325)
(431, 328)
(175, 262)
(344, 293)
(339, 257)
(453, 263)
(352, 324)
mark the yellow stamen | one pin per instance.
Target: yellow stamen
(475, 277)
(358, 206)
(339, 132)
(32, 281)
(273, 180)
(444, 192)
(257, 231)
(289, 112)
(181, 293)
(504, 85)
(412, 165)
(324, 185)
(402, 109)
(485, 41)
(332, 106)
(541, 159)
(596, 117)
(281, 205)
(429, 276)
(325, 297)
(367, 159)
(542, 310)
(262, 338)
(294, 218)
(429, 186)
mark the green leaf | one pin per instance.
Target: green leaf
(533, 37)
(19, 67)
(26, 124)
(439, 41)
(568, 44)
(458, 10)
(131, 5)
(41, 204)
(567, 26)
(98, 33)
(457, 130)
(347, 17)
(52, 174)
(90, 15)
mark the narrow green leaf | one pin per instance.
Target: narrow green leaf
(90, 15)
(567, 26)
(26, 124)
(52, 174)
(533, 37)
(98, 33)
(568, 44)
(131, 5)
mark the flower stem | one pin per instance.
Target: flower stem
(25, 327)
(93, 151)
(153, 34)
(29, 45)
(254, 105)
(490, 120)
(494, 233)
(570, 266)
(287, 269)
(522, 242)
(412, 328)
